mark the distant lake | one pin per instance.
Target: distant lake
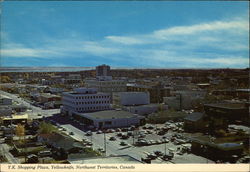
(44, 69)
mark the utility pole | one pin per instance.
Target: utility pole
(133, 137)
(91, 140)
(105, 145)
(165, 145)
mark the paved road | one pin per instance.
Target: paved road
(34, 110)
(5, 150)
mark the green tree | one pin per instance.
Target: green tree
(46, 128)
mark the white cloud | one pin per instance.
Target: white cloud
(98, 49)
(179, 44)
(204, 27)
(125, 40)
(27, 52)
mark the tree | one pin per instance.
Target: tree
(46, 128)
(5, 79)
(20, 131)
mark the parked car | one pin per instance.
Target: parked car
(118, 130)
(124, 136)
(123, 143)
(111, 130)
(141, 135)
(124, 129)
(119, 134)
(101, 150)
(89, 133)
(112, 138)
(141, 143)
(99, 132)
(150, 127)
(146, 160)
(161, 132)
(130, 133)
(158, 153)
(71, 133)
(152, 156)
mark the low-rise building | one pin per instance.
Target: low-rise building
(14, 119)
(131, 98)
(5, 101)
(222, 114)
(60, 141)
(47, 97)
(145, 109)
(184, 99)
(156, 92)
(72, 79)
(216, 149)
(107, 86)
(5, 111)
(195, 122)
(109, 119)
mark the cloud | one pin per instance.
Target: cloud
(98, 49)
(204, 27)
(217, 44)
(125, 40)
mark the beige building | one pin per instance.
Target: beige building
(107, 86)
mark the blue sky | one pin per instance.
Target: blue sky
(162, 34)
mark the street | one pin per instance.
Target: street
(35, 111)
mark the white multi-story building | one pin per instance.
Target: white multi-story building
(131, 98)
(84, 100)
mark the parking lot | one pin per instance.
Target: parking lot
(171, 143)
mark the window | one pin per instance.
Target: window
(108, 122)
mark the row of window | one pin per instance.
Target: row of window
(96, 102)
(112, 83)
(92, 97)
(92, 108)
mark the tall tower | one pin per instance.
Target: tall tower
(102, 70)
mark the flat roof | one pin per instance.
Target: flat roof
(228, 105)
(49, 95)
(87, 94)
(13, 117)
(122, 159)
(145, 105)
(131, 92)
(243, 90)
(109, 114)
